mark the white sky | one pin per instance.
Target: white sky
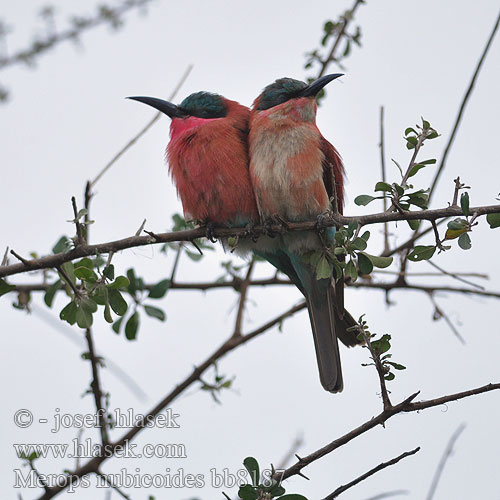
(68, 117)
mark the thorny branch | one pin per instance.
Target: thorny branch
(406, 406)
(56, 260)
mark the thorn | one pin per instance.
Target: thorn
(4, 260)
(298, 458)
(153, 235)
(139, 231)
(302, 475)
(196, 246)
(22, 259)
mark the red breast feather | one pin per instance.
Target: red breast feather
(208, 161)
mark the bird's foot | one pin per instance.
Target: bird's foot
(210, 232)
(250, 231)
(274, 220)
(323, 220)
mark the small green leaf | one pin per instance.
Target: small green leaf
(366, 235)
(68, 313)
(5, 287)
(363, 199)
(382, 345)
(194, 256)
(117, 302)
(252, 466)
(88, 304)
(85, 274)
(414, 224)
(132, 326)
(364, 263)
(359, 244)
(107, 313)
(377, 261)
(120, 282)
(410, 130)
(109, 272)
(493, 220)
(248, 492)
(62, 245)
(464, 203)
(160, 289)
(383, 186)
(83, 318)
(399, 189)
(85, 262)
(351, 271)
(464, 241)
(389, 376)
(155, 312)
(415, 169)
(421, 252)
(117, 324)
(396, 366)
(323, 269)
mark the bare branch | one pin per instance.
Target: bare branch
(406, 406)
(462, 108)
(379, 467)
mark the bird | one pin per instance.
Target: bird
(297, 175)
(207, 157)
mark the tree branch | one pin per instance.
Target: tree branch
(379, 467)
(406, 406)
(56, 260)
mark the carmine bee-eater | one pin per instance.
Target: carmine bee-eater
(296, 176)
(208, 160)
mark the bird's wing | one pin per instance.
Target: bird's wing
(333, 173)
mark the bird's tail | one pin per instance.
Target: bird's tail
(320, 295)
(322, 315)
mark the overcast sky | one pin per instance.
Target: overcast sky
(68, 117)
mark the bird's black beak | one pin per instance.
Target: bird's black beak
(313, 88)
(164, 106)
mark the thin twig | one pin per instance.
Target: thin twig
(465, 99)
(455, 276)
(439, 313)
(79, 235)
(242, 300)
(340, 35)
(96, 388)
(136, 137)
(68, 281)
(382, 165)
(444, 458)
(379, 467)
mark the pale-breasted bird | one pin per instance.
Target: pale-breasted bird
(296, 174)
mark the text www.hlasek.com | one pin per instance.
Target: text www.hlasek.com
(88, 449)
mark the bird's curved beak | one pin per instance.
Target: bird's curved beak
(164, 106)
(313, 88)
